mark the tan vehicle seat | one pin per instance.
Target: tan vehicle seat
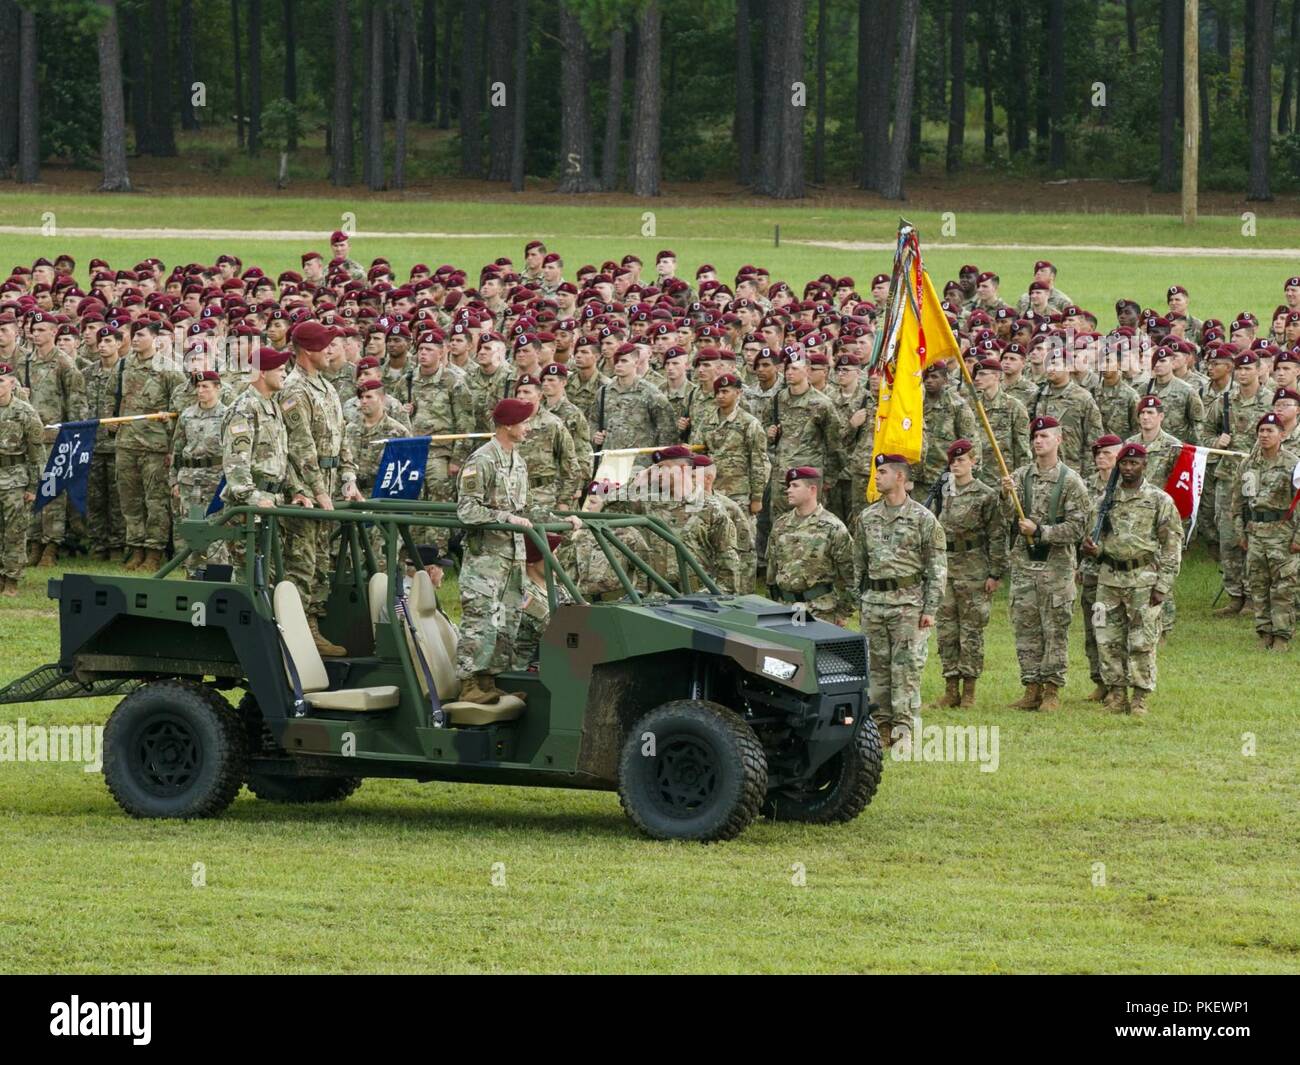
(438, 640)
(311, 670)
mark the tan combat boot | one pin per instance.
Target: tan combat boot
(1236, 604)
(49, 556)
(153, 561)
(34, 553)
(1051, 698)
(1281, 645)
(1030, 700)
(324, 646)
(472, 692)
(1137, 706)
(885, 736)
(136, 559)
(1265, 641)
(1098, 694)
(10, 588)
(1115, 701)
(967, 693)
(951, 694)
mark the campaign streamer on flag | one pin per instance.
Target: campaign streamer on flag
(401, 468)
(915, 332)
(216, 503)
(1185, 483)
(68, 467)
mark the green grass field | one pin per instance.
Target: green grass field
(949, 869)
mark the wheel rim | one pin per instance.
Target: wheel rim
(166, 755)
(685, 776)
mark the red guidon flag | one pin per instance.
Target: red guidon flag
(1185, 482)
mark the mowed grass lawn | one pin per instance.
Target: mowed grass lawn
(1100, 844)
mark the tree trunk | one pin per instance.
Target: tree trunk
(444, 66)
(1130, 24)
(986, 79)
(136, 88)
(1042, 90)
(1261, 109)
(239, 78)
(471, 88)
(644, 149)
(1284, 107)
(254, 76)
(185, 49)
(614, 108)
(790, 171)
(1171, 45)
(8, 86)
(112, 108)
(957, 105)
(939, 80)
(775, 100)
(367, 87)
(891, 186)
(290, 64)
(744, 93)
(341, 126)
(520, 137)
(819, 136)
(375, 75)
(1248, 58)
(29, 104)
(389, 69)
(883, 35)
(577, 167)
(1018, 105)
(1223, 49)
(405, 46)
(429, 62)
(1056, 39)
(501, 119)
(160, 87)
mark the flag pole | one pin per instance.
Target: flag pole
(158, 416)
(442, 438)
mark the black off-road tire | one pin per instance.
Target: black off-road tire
(175, 749)
(271, 788)
(705, 780)
(840, 789)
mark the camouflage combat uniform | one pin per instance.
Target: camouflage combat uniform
(1244, 415)
(364, 443)
(22, 456)
(976, 535)
(322, 461)
(1010, 422)
(948, 417)
(738, 447)
(810, 560)
(840, 499)
(706, 530)
(746, 554)
(392, 409)
(143, 448)
(1076, 410)
(810, 436)
(196, 470)
(579, 431)
(1261, 498)
(57, 390)
(534, 614)
(638, 416)
(1142, 549)
(584, 394)
(554, 477)
(1182, 406)
(583, 559)
(103, 508)
(1087, 581)
(441, 406)
(486, 391)
(900, 567)
(1043, 591)
(1118, 406)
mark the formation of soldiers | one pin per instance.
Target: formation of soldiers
(754, 401)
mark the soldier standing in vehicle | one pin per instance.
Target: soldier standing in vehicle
(493, 488)
(810, 552)
(195, 469)
(1138, 558)
(900, 567)
(976, 534)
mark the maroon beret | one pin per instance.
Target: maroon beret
(368, 363)
(312, 336)
(555, 369)
(269, 359)
(1246, 358)
(1268, 419)
(1149, 403)
(527, 379)
(532, 553)
(1043, 421)
(371, 385)
(1109, 440)
(511, 412)
(958, 448)
(809, 473)
(1286, 393)
(338, 236)
(1133, 451)
(726, 380)
(668, 454)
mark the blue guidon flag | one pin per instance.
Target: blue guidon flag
(68, 467)
(401, 468)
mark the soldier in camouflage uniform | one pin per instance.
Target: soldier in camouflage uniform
(535, 607)
(1015, 382)
(582, 557)
(490, 380)
(900, 566)
(851, 393)
(366, 435)
(1220, 389)
(1071, 406)
(858, 442)
(195, 468)
(1008, 419)
(1266, 525)
(585, 379)
(630, 412)
(1055, 502)
(313, 417)
(805, 430)
(735, 440)
(144, 449)
(104, 380)
(1116, 401)
(255, 447)
(440, 405)
(1162, 449)
(557, 402)
(1181, 402)
(687, 400)
(679, 499)
(948, 417)
(555, 479)
(706, 471)
(54, 386)
(21, 457)
(1138, 558)
(810, 552)
(1246, 405)
(976, 546)
(368, 369)
(493, 487)
(1105, 452)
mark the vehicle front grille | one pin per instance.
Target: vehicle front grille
(841, 661)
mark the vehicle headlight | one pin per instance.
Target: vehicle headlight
(778, 668)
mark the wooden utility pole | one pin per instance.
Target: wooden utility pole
(1191, 107)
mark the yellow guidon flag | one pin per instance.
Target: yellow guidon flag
(914, 332)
